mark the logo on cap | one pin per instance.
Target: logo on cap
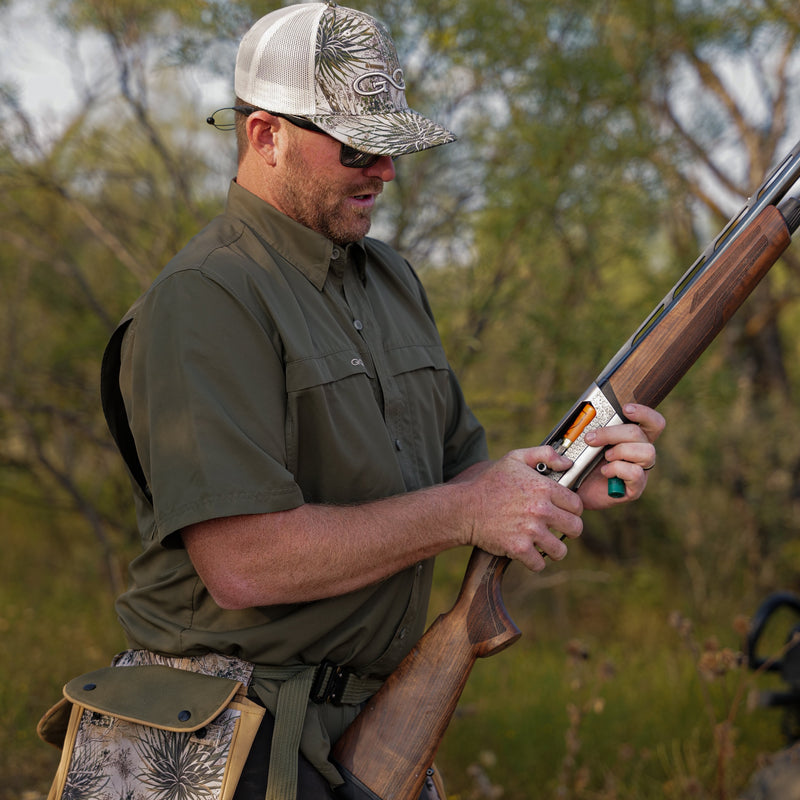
(379, 82)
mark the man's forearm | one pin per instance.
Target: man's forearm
(316, 551)
(504, 507)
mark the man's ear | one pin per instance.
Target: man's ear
(261, 130)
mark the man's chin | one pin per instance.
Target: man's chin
(343, 233)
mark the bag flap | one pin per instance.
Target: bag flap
(52, 727)
(161, 697)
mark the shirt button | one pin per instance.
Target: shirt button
(402, 634)
(336, 252)
(398, 445)
(358, 324)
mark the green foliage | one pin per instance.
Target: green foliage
(56, 621)
(613, 692)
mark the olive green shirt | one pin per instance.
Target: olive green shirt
(266, 368)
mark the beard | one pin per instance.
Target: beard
(322, 203)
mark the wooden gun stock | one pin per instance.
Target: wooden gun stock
(387, 749)
(392, 742)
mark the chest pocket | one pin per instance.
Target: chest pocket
(332, 418)
(417, 411)
(337, 446)
(414, 357)
(308, 373)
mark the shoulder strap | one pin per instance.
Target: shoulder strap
(114, 408)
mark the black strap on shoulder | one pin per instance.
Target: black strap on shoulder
(114, 408)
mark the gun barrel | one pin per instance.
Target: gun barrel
(774, 188)
(658, 360)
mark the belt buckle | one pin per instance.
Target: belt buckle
(329, 683)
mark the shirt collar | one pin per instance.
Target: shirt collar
(308, 251)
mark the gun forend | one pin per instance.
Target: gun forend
(674, 336)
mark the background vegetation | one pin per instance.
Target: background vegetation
(602, 144)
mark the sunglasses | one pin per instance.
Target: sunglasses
(348, 156)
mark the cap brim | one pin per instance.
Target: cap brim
(390, 134)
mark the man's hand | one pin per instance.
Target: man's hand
(519, 513)
(629, 456)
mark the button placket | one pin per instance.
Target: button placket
(358, 302)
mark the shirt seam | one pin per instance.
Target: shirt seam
(163, 520)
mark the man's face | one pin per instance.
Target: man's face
(325, 196)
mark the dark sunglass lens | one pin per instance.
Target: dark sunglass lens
(350, 157)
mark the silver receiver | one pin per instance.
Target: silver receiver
(583, 457)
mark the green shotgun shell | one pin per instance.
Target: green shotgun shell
(616, 487)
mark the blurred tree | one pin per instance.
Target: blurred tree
(91, 209)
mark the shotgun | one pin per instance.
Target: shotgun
(388, 749)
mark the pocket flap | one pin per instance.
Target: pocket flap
(162, 697)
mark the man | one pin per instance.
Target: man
(300, 447)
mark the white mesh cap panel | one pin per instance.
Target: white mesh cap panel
(275, 63)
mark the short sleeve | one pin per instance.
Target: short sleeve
(203, 383)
